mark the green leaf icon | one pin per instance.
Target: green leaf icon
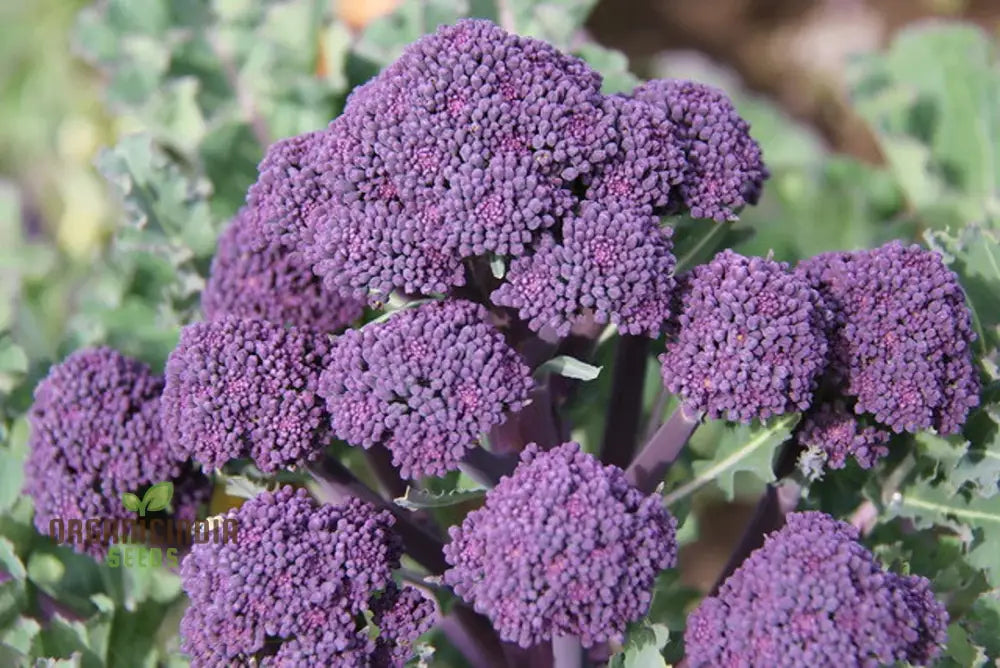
(157, 497)
(130, 501)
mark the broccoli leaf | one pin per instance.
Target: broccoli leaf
(745, 448)
(570, 367)
(938, 85)
(416, 499)
(643, 646)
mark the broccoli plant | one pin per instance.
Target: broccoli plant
(464, 364)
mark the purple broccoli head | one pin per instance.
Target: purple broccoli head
(901, 335)
(839, 433)
(254, 276)
(563, 546)
(649, 165)
(612, 262)
(246, 388)
(466, 145)
(725, 168)
(295, 587)
(814, 596)
(750, 340)
(95, 435)
(425, 383)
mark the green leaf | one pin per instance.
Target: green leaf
(976, 520)
(745, 448)
(612, 66)
(643, 647)
(416, 499)
(938, 84)
(555, 21)
(131, 502)
(245, 488)
(157, 497)
(12, 457)
(20, 634)
(570, 367)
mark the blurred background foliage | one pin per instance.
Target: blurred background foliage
(129, 132)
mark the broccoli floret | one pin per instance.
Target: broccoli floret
(255, 276)
(725, 169)
(425, 383)
(563, 546)
(814, 596)
(840, 433)
(95, 435)
(749, 340)
(613, 262)
(296, 581)
(901, 335)
(246, 388)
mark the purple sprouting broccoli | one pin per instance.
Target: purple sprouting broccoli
(295, 587)
(725, 168)
(425, 383)
(290, 184)
(649, 165)
(563, 546)
(613, 262)
(246, 388)
(839, 433)
(901, 335)
(468, 144)
(749, 340)
(95, 435)
(255, 276)
(814, 596)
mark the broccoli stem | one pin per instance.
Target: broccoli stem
(621, 427)
(567, 652)
(485, 467)
(649, 467)
(379, 460)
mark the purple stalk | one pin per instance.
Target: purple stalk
(652, 463)
(380, 462)
(567, 652)
(487, 468)
(472, 635)
(776, 502)
(535, 423)
(621, 428)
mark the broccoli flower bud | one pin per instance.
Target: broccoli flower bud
(297, 581)
(563, 546)
(814, 596)
(256, 276)
(901, 335)
(839, 433)
(95, 435)
(425, 383)
(291, 183)
(725, 167)
(750, 340)
(468, 144)
(246, 388)
(649, 165)
(613, 262)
